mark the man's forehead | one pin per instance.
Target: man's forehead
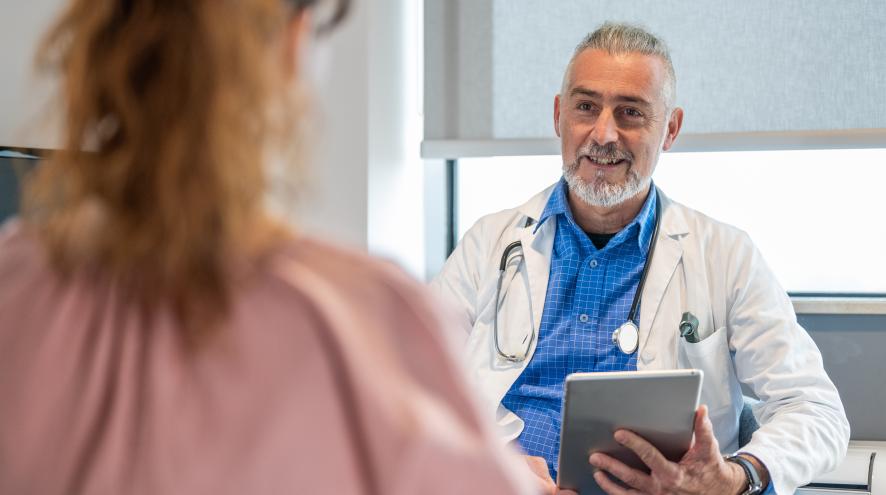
(641, 74)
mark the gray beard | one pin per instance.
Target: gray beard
(601, 193)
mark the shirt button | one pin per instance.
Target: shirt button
(593, 263)
(583, 318)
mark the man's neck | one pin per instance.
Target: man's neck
(606, 220)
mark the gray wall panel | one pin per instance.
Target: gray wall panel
(853, 348)
(756, 65)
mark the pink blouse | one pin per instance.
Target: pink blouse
(330, 376)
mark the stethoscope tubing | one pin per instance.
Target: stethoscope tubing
(632, 314)
(501, 272)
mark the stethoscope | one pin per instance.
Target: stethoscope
(626, 337)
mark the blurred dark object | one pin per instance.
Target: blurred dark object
(15, 165)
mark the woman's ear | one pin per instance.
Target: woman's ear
(295, 35)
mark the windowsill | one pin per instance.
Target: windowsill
(688, 142)
(839, 305)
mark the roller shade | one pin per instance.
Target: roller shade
(751, 74)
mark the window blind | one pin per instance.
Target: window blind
(754, 74)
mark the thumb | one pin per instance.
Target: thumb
(704, 431)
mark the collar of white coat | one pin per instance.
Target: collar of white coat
(673, 221)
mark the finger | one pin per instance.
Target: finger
(539, 468)
(610, 487)
(646, 452)
(705, 441)
(546, 486)
(622, 471)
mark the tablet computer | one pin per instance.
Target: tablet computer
(657, 405)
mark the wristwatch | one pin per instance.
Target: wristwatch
(755, 485)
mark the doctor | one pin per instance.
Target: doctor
(542, 288)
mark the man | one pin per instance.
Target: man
(572, 279)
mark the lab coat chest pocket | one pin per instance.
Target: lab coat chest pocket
(712, 356)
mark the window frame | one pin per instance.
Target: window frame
(804, 302)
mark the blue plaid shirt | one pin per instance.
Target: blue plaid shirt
(589, 295)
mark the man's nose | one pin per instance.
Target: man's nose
(605, 129)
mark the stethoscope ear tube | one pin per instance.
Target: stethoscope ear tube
(508, 357)
(504, 261)
(514, 358)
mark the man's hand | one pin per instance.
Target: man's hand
(539, 468)
(701, 470)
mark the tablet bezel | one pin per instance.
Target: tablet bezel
(658, 405)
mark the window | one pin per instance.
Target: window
(816, 215)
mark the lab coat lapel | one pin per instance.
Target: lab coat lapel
(537, 248)
(665, 260)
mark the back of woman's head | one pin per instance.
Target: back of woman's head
(167, 118)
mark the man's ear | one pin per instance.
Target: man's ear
(557, 115)
(674, 124)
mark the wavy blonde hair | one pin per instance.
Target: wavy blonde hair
(166, 115)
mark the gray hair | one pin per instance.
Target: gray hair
(621, 38)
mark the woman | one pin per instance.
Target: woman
(161, 332)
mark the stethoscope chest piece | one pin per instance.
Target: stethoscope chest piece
(627, 337)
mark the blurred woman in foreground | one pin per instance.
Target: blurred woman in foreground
(160, 332)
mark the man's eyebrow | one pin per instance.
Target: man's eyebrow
(594, 94)
(586, 92)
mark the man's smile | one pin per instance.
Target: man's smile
(605, 162)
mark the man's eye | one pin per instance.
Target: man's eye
(584, 107)
(632, 112)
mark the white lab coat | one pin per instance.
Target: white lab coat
(747, 323)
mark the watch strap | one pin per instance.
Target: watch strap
(755, 485)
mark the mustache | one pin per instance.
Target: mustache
(606, 152)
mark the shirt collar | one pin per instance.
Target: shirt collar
(646, 219)
(558, 204)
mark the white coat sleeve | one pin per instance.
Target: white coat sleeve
(804, 431)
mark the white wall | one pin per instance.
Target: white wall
(396, 189)
(22, 99)
(367, 175)
(366, 179)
